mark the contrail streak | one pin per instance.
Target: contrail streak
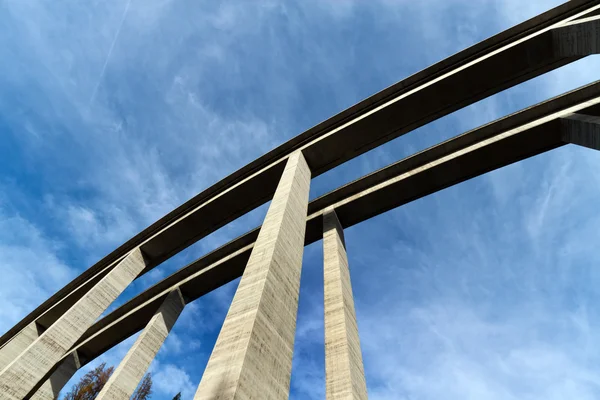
(112, 46)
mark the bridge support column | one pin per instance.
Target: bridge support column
(23, 376)
(52, 387)
(344, 372)
(59, 378)
(125, 379)
(18, 344)
(252, 358)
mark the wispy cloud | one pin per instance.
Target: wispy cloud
(110, 50)
(30, 265)
(114, 113)
(171, 379)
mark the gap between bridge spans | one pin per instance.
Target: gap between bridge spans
(526, 133)
(530, 49)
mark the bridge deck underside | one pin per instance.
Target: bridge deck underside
(503, 142)
(509, 58)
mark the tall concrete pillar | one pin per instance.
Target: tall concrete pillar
(23, 375)
(252, 358)
(344, 372)
(18, 344)
(52, 387)
(59, 378)
(125, 379)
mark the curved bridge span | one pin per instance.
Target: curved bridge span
(41, 352)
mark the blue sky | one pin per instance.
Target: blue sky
(114, 112)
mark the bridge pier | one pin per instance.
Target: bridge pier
(344, 371)
(19, 343)
(24, 375)
(252, 358)
(52, 387)
(59, 378)
(125, 379)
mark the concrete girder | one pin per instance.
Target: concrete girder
(524, 134)
(511, 57)
(578, 38)
(583, 130)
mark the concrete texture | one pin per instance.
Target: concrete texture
(502, 61)
(583, 130)
(23, 376)
(18, 344)
(252, 358)
(201, 277)
(52, 387)
(578, 38)
(532, 131)
(131, 370)
(344, 372)
(59, 378)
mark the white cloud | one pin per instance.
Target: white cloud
(30, 267)
(486, 294)
(169, 379)
(453, 304)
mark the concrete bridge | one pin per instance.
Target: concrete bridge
(253, 353)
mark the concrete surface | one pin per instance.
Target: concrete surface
(532, 131)
(125, 379)
(344, 371)
(504, 60)
(51, 388)
(23, 376)
(252, 358)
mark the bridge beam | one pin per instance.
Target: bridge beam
(583, 130)
(252, 358)
(532, 131)
(578, 38)
(25, 374)
(509, 58)
(344, 371)
(123, 382)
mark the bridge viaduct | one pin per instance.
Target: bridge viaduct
(252, 356)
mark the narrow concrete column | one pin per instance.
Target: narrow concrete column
(123, 382)
(52, 387)
(23, 375)
(18, 344)
(59, 378)
(582, 129)
(252, 358)
(578, 38)
(344, 372)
